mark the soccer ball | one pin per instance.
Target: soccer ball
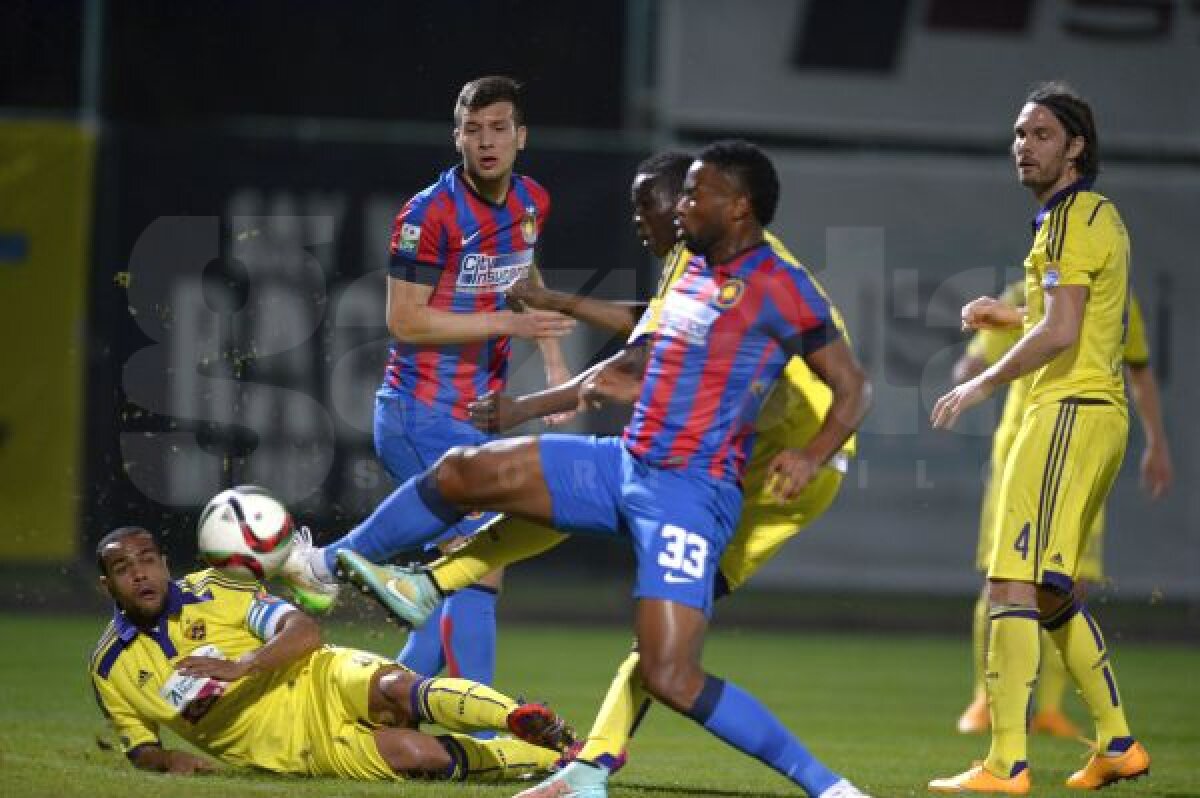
(245, 532)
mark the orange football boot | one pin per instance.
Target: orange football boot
(980, 779)
(1054, 723)
(1105, 769)
(975, 719)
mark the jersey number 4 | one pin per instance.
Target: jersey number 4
(1022, 544)
(684, 551)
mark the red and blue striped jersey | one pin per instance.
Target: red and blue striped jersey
(469, 250)
(724, 336)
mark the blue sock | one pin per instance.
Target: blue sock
(423, 651)
(469, 637)
(415, 513)
(740, 720)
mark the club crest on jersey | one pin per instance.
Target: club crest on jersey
(730, 293)
(195, 630)
(410, 237)
(529, 225)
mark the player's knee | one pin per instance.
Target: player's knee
(673, 682)
(1050, 601)
(454, 473)
(394, 698)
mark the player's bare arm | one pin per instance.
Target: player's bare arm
(967, 367)
(1156, 470)
(989, 313)
(412, 320)
(1054, 334)
(164, 760)
(495, 412)
(616, 317)
(836, 366)
(296, 636)
(617, 381)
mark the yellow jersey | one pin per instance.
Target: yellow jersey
(1081, 240)
(248, 722)
(800, 400)
(991, 345)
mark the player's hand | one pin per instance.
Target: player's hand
(956, 402)
(536, 324)
(789, 473)
(226, 670)
(988, 313)
(609, 386)
(495, 412)
(527, 293)
(181, 763)
(1157, 471)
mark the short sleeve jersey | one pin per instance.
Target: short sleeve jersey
(797, 407)
(1080, 240)
(136, 685)
(722, 339)
(469, 251)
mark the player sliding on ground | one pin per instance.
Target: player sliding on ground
(243, 676)
(726, 332)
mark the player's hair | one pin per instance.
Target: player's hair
(751, 167)
(482, 92)
(120, 533)
(667, 169)
(1075, 115)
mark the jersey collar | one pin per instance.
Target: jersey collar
(177, 597)
(1082, 184)
(466, 184)
(739, 259)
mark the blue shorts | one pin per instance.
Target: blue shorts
(678, 521)
(410, 437)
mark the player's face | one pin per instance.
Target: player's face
(136, 576)
(1042, 149)
(706, 210)
(654, 215)
(488, 140)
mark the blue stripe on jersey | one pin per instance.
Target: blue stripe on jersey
(706, 422)
(264, 614)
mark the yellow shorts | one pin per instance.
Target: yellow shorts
(765, 524)
(1057, 476)
(340, 738)
(1091, 564)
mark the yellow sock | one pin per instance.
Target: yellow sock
(1078, 639)
(1012, 664)
(462, 705)
(501, 759)
(626, 702)
(979, 638)
(1052, 678)
(505, 541)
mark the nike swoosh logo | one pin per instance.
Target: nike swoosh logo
(677, 580)
(467, 239)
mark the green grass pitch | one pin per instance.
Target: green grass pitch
(880, 709)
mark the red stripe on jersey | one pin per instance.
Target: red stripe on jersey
(726, 334)
(737, 435)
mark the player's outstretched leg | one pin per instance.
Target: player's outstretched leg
(406, 592)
